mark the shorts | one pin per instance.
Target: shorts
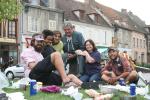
(42, 72)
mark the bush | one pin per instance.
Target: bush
(144, 65)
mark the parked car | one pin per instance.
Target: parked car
(14, 71)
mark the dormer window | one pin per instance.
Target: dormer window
(116, 21)
(124, 24)
(135, 26)
(79, 13)
(94, 17)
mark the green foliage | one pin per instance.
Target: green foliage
(9, 9)
(144, 65)
(59, 96)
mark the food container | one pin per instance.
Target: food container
(108, 90)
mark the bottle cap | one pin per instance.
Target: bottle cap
(32, 80)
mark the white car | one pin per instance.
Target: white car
(14, 71)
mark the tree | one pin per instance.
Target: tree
(9, 9)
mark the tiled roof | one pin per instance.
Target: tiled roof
(70, 5)
(138, 22)
(125, 21)
(109, 12)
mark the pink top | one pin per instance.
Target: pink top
(30, 55)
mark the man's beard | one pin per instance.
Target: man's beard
(38, 48)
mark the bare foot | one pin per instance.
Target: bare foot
(66, 80)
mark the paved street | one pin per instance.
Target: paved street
(146, 76)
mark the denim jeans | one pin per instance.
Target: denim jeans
(90, 78)
(76, 66)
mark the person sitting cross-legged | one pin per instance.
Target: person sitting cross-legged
(118, 67)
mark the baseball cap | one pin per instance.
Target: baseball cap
(112, 49)
(38, 37)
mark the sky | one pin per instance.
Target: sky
(137, 7)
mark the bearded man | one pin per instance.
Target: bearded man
(118, 67)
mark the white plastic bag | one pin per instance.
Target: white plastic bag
(23, 81)
(3, 81)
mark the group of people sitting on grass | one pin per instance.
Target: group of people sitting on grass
(50, 52)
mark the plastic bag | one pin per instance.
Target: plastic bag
(3, 80)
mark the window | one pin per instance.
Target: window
(33, 24)
(116, 21)
(142, 57)
(0, 29)
(12, 29)
(136, 55)
(133, 42)
(137, 43)
(124, 24)
(140, 43)
(94, 17)
(144, 43)
(79, 13)
(149, 45)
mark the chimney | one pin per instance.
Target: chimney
(124, 10)
(130, 13)
(90, 2)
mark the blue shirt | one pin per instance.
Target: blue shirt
(92, 68)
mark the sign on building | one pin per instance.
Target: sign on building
(52, 25)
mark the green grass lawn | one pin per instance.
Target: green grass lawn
(58, 96)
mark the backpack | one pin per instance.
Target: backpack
(132, 65)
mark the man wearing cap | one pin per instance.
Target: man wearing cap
(73, 41)
(40, 68)
(118, 67)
